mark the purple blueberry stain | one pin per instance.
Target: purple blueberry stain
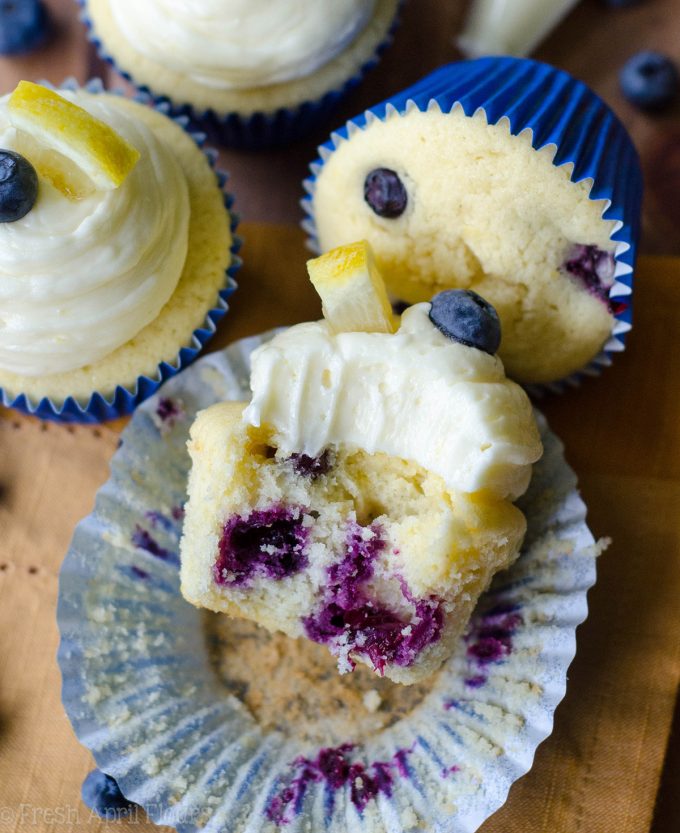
(177, 513)
(137, 572)
(269, 543)
(334, 768)
(490, 640)
(476, 681)
(160, 520)
(167, 409)
(593, 268)
(363, 545)
(144, 540)
(400, 759)
(350, 622)
(168, 413)
(311, 467)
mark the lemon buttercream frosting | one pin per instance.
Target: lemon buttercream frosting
(238, 44)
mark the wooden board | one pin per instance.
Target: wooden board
(599, 771)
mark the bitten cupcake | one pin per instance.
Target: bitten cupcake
(363, 499)
(262, 72)
(114, 248)
(504, 176)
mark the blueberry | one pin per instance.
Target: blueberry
(385, 193)
(466, 317)
(620, 4)
(18, 186)
(649, 80)
(23, 25)
(101, 793)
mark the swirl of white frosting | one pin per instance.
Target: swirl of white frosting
(78, 279)
(414, 394)
(238, 44)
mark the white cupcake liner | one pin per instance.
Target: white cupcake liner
(144, 697)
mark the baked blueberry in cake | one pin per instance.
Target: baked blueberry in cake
(363, 498)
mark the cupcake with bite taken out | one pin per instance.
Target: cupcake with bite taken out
(115, 244)
(504, 176)
(363, 499)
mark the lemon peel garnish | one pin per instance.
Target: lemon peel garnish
(68, 142)
(352, 290)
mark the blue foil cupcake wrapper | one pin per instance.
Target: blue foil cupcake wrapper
(148, 697)
(558, 110)
(259, 130)
(123, 400)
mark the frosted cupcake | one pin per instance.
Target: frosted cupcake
(113, 269)
(262, 72)
(363, 499)
(504, 176)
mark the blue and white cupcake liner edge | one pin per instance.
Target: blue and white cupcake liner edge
(101, 407)
(258, 130)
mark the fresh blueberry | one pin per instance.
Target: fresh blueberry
(18, 186)
(466, 317)
(649, 80)
(101, 793)
(385, 193)
(23, 25)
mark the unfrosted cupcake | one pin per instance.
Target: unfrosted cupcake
(504, 176)
(262, 71)
(114, 274)
(363, 499)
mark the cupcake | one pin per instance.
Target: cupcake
(113, 253)
(504, 176)
(363, 499)
(261, 73)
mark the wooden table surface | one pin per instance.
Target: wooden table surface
(592, 43)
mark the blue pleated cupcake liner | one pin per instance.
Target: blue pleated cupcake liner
(558, 110)
(123, 400)
(145, 694)
(259, 130)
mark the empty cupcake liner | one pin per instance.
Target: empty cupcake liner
(259, 130)
(123, 400)
(178, 726)
(558, 110)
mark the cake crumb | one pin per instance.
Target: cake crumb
(372, 700)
